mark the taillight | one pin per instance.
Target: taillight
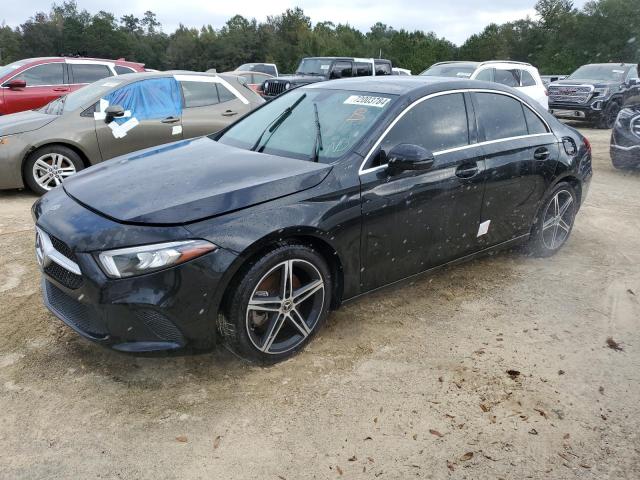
(546, 92)
(587, 144)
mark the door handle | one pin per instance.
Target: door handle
(170, 120)
(229, 113)
(467, 170)
(61, 89)
(541, 154)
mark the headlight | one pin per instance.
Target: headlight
(602, 92)
(287, 86)
(266, 85)
(127, 262)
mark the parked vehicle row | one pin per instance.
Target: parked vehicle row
(33, 82)
(329, 191)
(115, 116)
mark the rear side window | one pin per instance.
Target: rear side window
(342, 68)
(510, 78)
(122, 70)
(199, 94)
(500, 116)
(47, 74)
(383, 69)
(224, 93)
(436, 124)
(527, 79)
(89, 73)
(363, 69)
(485, 75)
(270, 69)
(534, 124)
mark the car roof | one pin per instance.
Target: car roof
(61, 59)
(417, 85)
(132, 77)
(611, 64)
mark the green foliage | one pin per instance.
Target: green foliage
(561, 39)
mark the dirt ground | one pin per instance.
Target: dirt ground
(408, 382)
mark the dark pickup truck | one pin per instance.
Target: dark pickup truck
(319, 69)
(594, 93)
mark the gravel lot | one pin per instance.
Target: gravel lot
(409, 382)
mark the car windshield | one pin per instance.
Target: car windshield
(7, 69)
(314, 66)
(245, 67)
(287, 126)
(614, 73)
(460, 70)
(80, 98)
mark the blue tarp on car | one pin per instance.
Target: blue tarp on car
(155, 98)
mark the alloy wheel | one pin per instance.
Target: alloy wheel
(558, 219)
(285, 306)
(51, 168)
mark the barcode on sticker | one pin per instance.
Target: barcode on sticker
(367, 101)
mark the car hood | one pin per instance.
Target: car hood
(24, 122)
(585, 81)
(188, 181)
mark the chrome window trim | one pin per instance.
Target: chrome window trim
(363, 170)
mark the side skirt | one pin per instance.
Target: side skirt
(466, 258)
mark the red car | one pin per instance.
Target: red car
(33, 82)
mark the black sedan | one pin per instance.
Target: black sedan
(625, 138)
(330, 191)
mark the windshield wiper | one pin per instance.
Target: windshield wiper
(317, 143)
(273, 126)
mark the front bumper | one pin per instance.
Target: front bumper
(624, 149)
(164, 310)
(592, 110)
(13, 150)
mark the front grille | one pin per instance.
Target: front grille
(64, 276)
(160, 325)
(576, 94)
(62, 247)
(274, 88)
(73, 312)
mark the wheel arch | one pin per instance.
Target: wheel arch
(83, 156)
(293, 235)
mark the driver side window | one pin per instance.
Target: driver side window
(341, 70)
(436, 124)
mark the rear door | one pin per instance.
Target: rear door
(520, 155)
(414, 220)
(45, 82)
(154, 109)
(211, 103)
(82, 73)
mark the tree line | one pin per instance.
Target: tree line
(558, 40)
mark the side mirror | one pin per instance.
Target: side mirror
(17, 84)
(113, 111)
(406, 156)
(335, 74)
(634, 81)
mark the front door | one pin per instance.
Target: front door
(520, 157)
(153, 117)
(415, 220)
(45, 83)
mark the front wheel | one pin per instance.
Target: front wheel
(554, 222)
(609, 116)
(278, 304)
(47, 167)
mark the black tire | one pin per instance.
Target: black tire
(609, 115)
(246, 331)
(544, 240)
(70, 160)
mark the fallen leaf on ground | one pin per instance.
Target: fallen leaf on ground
(339, 470)
(513, 373)
(181, 438)
(630, 291)
(450, 466)
(541, 412)
(353, 459)
(533, 431)
(584, 465)
(484, 407)
(216, 442)
(435, 432)
(466, 456)
(613, 345)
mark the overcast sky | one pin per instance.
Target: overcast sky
(452, 19)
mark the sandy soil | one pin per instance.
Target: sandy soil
(408, 382)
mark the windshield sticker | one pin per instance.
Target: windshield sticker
(618, 71)
(367, 101)
(463, 74)
(358, 115)
(324, 67)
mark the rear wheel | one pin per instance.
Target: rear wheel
(554, 223)
(278, 304)
(47, 167)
